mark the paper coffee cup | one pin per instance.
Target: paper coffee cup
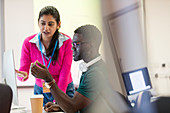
(37, 103)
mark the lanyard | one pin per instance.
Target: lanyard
(42, 53)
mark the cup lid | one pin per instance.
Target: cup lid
(37, 96)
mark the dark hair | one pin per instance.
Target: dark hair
(50, 10)
(90, 33)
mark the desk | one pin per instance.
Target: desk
(28, 111)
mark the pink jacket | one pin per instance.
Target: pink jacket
(60, 71)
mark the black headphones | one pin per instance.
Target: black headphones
(84, 66)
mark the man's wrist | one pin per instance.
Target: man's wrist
(50, 84)
(49, 80)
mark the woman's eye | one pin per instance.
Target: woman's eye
(42, 23)
(50, 24)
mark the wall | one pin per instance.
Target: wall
(74, 13)
(19, 23)
(108, 8)
(1, 35)
(158, 38)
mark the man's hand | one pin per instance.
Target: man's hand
(40, 71)
(51, 107)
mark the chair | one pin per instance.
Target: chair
(162, 104)
(5, 98)
(143, 103)
(143, 99)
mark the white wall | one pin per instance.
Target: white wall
(115, 5)
(74, 13)
(157, 40)
(110, 7)
(19, 24)
(158, 43)
(1, 35)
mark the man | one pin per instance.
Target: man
(86, 42)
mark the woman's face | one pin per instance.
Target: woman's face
(48, 26)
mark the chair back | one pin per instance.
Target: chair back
(143, 103)
(5, 98)
(162, 104)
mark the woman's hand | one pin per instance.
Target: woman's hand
(40, 71)
(51, 107)
(22, 74)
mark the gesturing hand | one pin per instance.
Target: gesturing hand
(21, 74)
(40, 71)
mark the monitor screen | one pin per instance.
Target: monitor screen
(136, 81)
(9, 73)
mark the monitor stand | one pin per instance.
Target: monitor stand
(13, 106)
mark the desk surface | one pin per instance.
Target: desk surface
(28, 111)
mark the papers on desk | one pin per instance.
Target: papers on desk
(28, 111)
(22, 109)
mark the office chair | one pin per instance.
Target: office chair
(5, 98)
(162, 104)
(143, 103)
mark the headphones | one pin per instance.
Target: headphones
(84, 66)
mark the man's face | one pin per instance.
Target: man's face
(79, 47)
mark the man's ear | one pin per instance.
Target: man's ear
(93, 46)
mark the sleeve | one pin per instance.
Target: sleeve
(65, 73)
(25, 59)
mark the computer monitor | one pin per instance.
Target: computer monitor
(9, 73)
(136, 81)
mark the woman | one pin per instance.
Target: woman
(51, 48)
